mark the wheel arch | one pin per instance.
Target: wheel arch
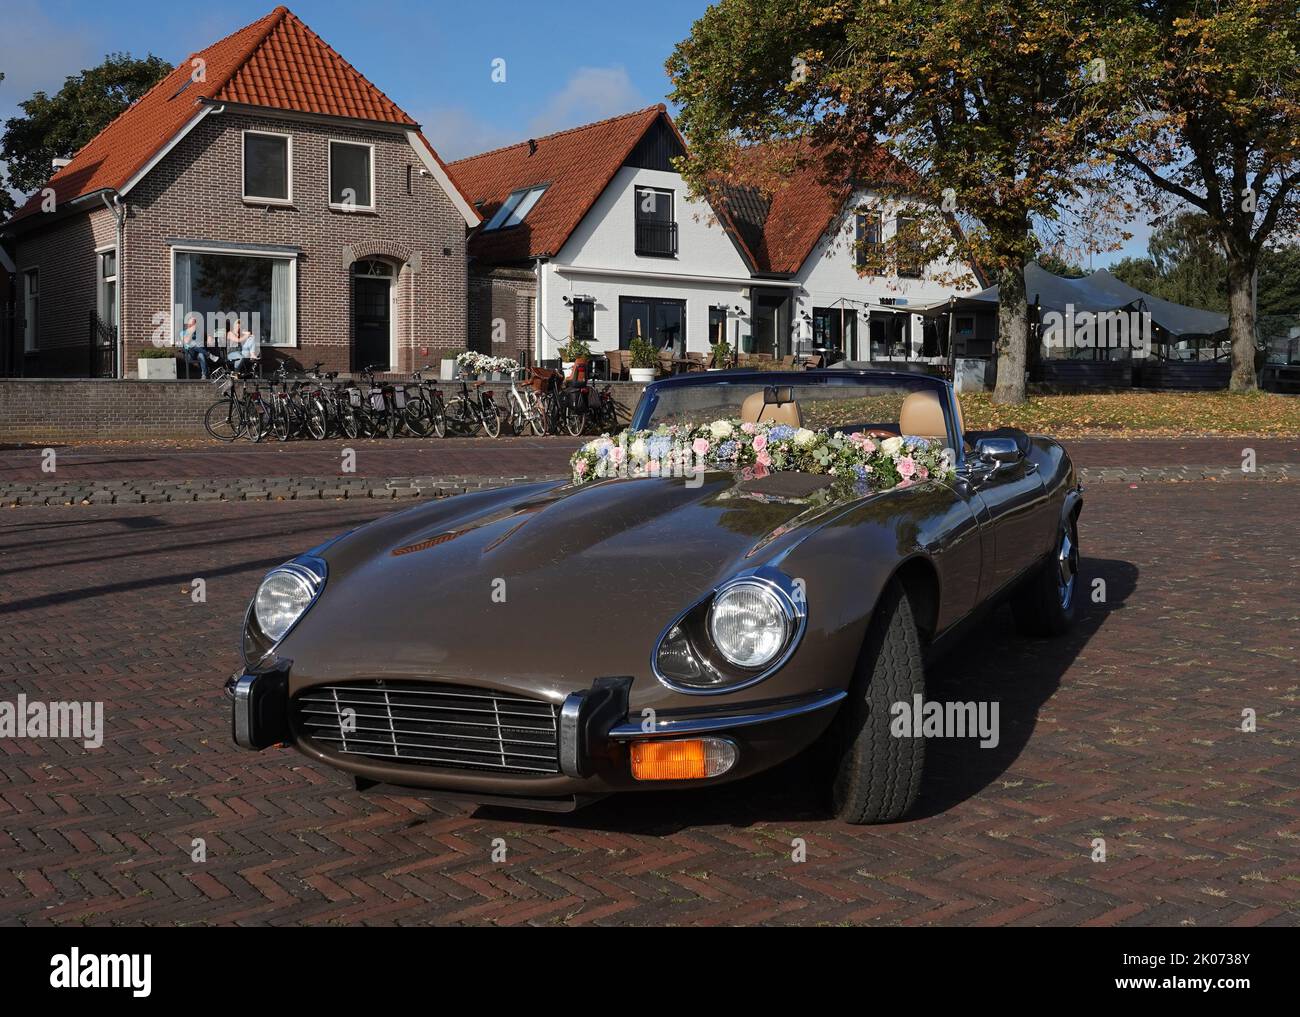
(920, 580)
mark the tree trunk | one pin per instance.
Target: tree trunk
(1013, 330)
(1241, 322)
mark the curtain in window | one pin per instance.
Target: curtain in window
(281, 303)
(183, 292)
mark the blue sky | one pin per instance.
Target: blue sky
(567, 61)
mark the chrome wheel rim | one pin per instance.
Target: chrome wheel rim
(1067, 568)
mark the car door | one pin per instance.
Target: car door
(1010, 504)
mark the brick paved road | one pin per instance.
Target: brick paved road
(1128, 730)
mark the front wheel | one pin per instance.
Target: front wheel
(224, 420)
(490, 419)
(1045, 605)
(876, 775)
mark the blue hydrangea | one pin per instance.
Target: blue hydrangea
(727, 450)
(781, 432)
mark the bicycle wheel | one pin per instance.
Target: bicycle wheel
(224, 420)
(416, 417)
(458, 415)
(575, 420)
(281, 424)
(437, 417)
(489, 419)
(317, 420)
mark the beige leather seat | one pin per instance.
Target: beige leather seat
(922, 416)
(753, 410)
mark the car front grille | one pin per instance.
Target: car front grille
(432, 725)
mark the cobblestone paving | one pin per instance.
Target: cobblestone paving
(1129, 730)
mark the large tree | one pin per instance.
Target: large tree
(990, 102)
(1208, 96)
(56, 126)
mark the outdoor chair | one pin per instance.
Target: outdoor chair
(617, 364)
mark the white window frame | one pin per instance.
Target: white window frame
(29, 326)
(238, 253)
(243, 154)
(338, 206)
(101, 279)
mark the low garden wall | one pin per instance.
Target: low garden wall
(62, 409)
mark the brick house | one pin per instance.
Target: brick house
(592, 232)
(264, 178)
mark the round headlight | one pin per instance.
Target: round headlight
(749, 624)
(281, 599)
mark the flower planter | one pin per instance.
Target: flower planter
(156, 368)
(644, 375)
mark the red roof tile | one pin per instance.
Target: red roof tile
(783, 227)
(276, 62)
(577, 165)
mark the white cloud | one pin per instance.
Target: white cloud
(591, 93)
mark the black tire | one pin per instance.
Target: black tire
(490, 420)
(575, 420)
(317, 420)
(1047, 602)
(224, 420)
(876, 776)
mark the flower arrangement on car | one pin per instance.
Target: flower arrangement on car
(755, 449)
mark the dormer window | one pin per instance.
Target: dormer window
(515, 208)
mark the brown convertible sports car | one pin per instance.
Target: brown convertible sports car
(644, 626)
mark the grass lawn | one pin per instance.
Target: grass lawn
(1136, 414)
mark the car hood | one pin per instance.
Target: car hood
(552, 587)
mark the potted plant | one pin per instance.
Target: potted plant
(571, 352)
(471, 363)
(721, 355)
(645, 360)
(156, 363)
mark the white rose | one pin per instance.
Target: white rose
(638, 449)
(891, 446)
(803, 436)
(720, 429)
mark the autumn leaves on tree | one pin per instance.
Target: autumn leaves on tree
(1026, 126)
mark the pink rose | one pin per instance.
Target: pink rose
(763, 459)
(616, 454)
(700, 446)
(748, 427)
(868, 446)
(922, 472)
(906, 468)
(760, 470)
(581, 467)
(760, 442)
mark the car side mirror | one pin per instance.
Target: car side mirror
(1000, 453)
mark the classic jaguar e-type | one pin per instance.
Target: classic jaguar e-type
(760, 565)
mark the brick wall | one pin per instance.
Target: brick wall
(508, 296)
(67, 271)
(195, 193)
(50, 409)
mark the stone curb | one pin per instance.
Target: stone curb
(151, 492)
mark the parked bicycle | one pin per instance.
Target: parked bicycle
(471, 411)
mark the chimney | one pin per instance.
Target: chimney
(532, 146)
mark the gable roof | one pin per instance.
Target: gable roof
(783, 228)
(577, 165)
(277, 63)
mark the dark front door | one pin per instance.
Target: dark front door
(372, 312)
(771, 325)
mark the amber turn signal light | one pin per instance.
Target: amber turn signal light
(682, 759)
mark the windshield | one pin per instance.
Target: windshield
(838, 402)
